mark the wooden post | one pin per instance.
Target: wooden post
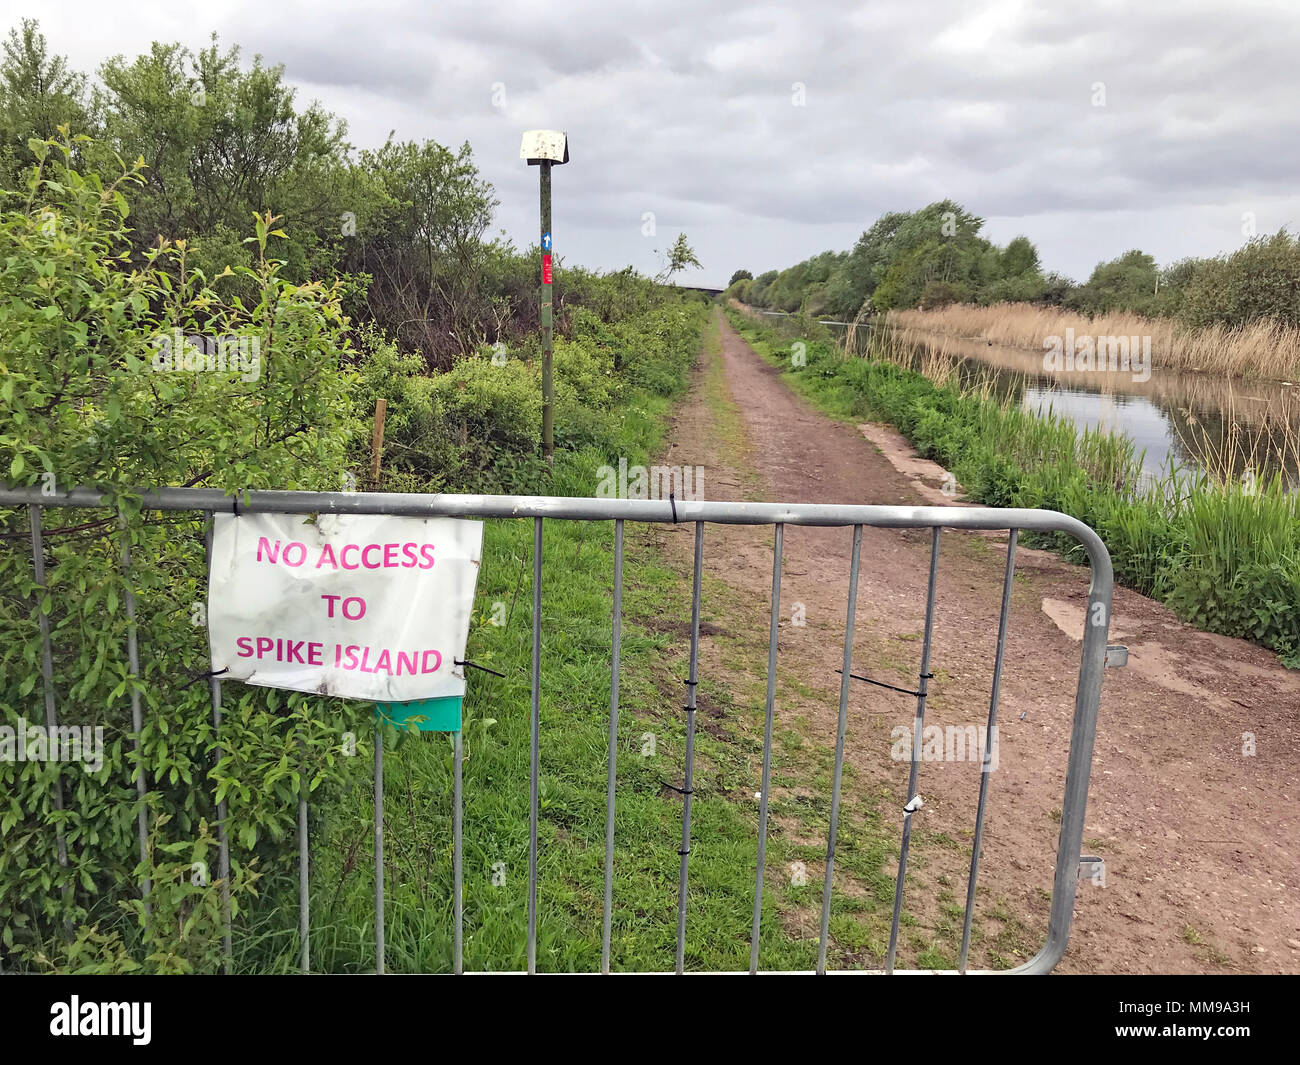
(377, 442)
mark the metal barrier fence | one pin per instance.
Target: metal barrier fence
(542, 508)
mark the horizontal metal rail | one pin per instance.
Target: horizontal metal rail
(778, 515)
(583, 509)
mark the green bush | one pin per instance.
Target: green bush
(493, 408)
(477, 427)
(90, 400)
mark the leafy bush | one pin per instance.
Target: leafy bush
(477, 427)
(83, 341)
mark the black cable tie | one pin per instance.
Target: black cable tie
(927, 676)
(692, 683)
(208, 675)
(475, 665)
(674, 787)
(685, 852)
(690, 709)
(882, 684)
(672, 500)
(236, 504)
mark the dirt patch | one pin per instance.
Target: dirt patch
(1195, 779)
(677, 627)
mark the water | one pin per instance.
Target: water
(1192, 421)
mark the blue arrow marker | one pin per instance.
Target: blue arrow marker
(546, 242)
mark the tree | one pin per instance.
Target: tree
(740, 275)
(426, 251)
(857, 276)
(38, 94)
(758, 290)
(1127, 283)
(680, 256)
(221, 143)
(938, 244)
(1259, 280)
(1018, 258)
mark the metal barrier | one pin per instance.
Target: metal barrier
(541, 508)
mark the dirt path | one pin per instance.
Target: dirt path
(1200, 839)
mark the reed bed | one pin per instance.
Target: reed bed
(1271, 412)
(1263, 349)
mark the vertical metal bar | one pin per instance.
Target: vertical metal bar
(688, 773)
(304, 886)
(990, 739)
(536, 745)
(457, 897)
(223, 842)
(767, 746)
(840, 731)
(379, 847)
(918, 725)
(1083, 734)
(611, 783)
(137, 716)
(47, 671)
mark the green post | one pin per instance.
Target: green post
(545, 148)
(548, 441)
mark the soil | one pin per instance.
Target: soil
(1193, 797)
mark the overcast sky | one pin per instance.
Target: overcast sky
(769, 132)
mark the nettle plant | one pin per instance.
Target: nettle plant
(89, 400)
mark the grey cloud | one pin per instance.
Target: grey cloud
(684, 108)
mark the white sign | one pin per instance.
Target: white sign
(357, 606)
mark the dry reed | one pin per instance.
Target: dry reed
(1263, 349)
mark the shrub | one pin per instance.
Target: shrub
(79, 335)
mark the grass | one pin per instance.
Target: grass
(1224, 554)
(1264, 349)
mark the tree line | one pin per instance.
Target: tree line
(937, 256)
(403, 227)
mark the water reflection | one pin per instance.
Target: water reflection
(1193, 420)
